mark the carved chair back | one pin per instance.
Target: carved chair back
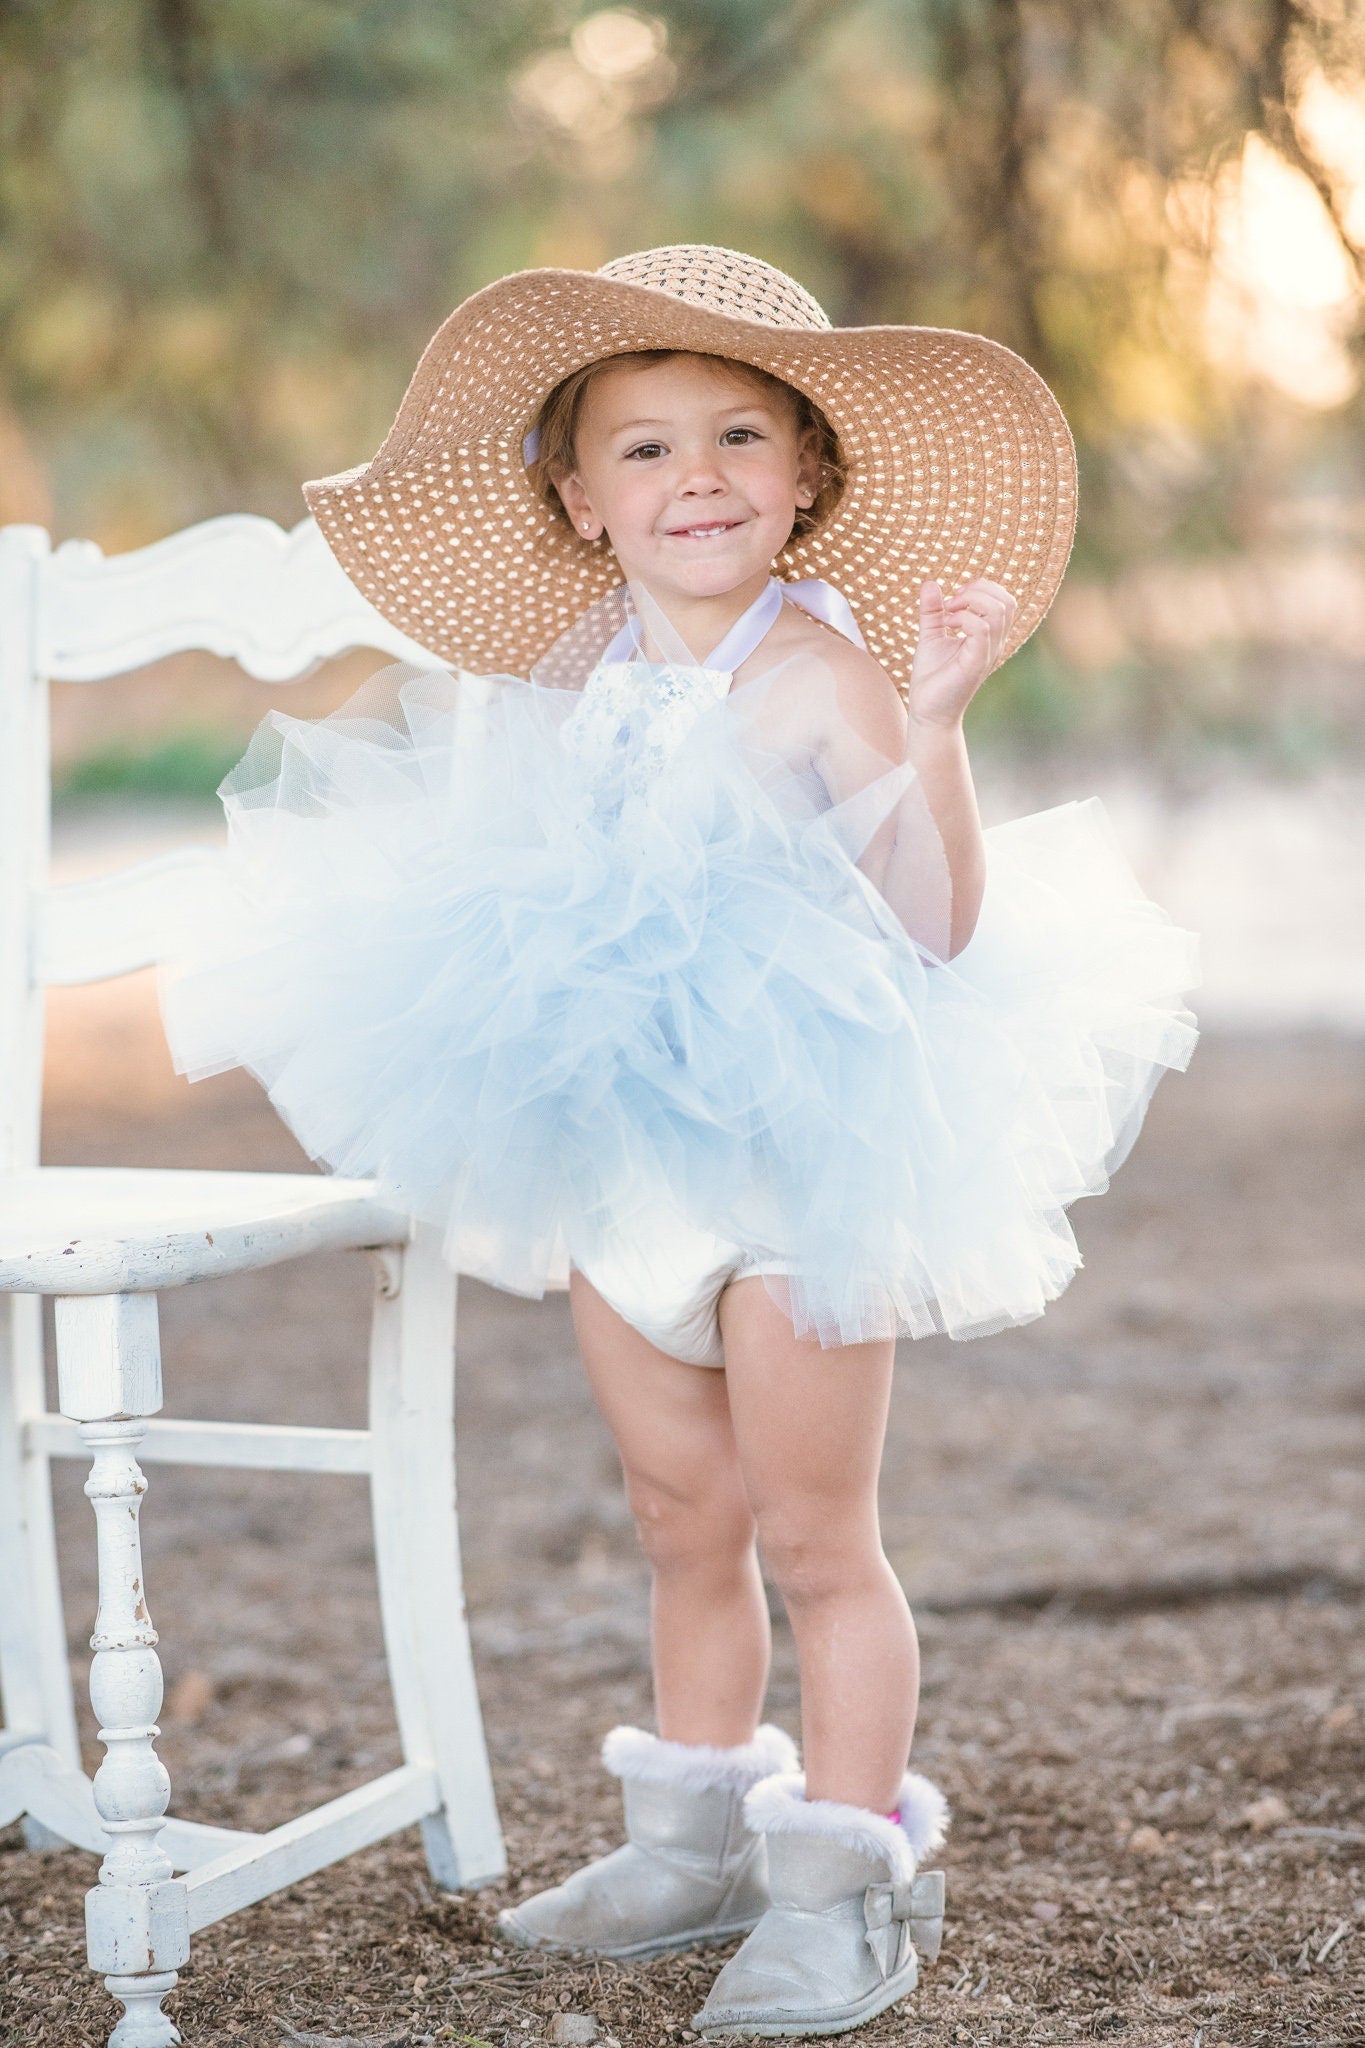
(277, 602)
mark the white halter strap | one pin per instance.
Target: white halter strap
(821, 600)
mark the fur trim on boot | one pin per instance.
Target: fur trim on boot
(690, 1871)
(778, 1805)
(850, 1916)
(648, 1759)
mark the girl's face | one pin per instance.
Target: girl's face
(693, 469)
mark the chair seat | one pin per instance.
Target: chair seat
(130, 1230)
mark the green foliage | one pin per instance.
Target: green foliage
(231, 229)
(1034, 701)
(188, 762)
(226, 232)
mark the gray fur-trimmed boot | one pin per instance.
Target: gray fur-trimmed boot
(690, 1871)
(849, 1910)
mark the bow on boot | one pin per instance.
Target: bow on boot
(886, 1909)
(850, 1910)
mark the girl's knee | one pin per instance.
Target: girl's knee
(811, 1555)
(682, 1526)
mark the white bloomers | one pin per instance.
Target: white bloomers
(666, 1279)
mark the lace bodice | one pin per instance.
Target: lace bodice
(634, 713)
(633, 716)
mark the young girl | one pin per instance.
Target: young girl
(647, 938)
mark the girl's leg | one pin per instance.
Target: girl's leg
(809, 1425)
(709, 1617)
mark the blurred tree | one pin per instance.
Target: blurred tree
(227, 229)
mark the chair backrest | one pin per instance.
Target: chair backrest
(274, 601)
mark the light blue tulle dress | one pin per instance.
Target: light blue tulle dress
(569, 967)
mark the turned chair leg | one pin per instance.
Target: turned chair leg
(137, 1921)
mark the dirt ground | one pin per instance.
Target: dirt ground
(1132, 1534)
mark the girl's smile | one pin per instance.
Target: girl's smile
(695, 471)
(707, 531)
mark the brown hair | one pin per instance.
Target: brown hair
(557, 425)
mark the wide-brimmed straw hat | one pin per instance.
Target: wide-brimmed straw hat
(959, 459)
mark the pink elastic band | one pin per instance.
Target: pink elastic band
(894, 1816)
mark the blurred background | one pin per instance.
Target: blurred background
(1132, 1531)
(229, 230)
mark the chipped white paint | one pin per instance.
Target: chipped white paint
(129, 1230)
(33, 1777)
(104, 1241)
(131, 1788)
(144, 2024)
(137, 1921)
(108, 1357)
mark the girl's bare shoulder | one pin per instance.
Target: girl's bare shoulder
(839, 683)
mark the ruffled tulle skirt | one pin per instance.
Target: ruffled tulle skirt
(535, 1016)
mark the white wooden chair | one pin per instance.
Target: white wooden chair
(102, 1242)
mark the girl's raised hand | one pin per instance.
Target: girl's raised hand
(960, 642)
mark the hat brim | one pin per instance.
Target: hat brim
(959, 458)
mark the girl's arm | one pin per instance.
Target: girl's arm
(939, 753)
(928, 857)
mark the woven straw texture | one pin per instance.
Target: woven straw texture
(960, 462)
